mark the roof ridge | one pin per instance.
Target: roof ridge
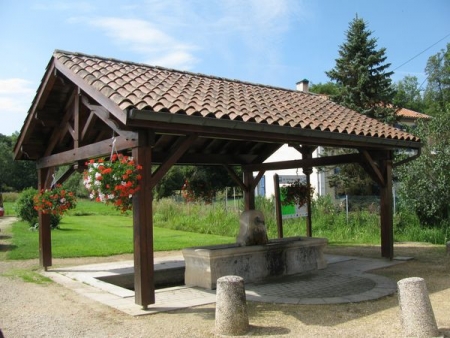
(182, 71)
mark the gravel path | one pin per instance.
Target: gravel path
(50, 310)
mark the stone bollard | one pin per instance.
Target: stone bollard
(231, 306)
(416, 313)
(448, 248)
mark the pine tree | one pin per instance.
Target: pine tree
(361, 75)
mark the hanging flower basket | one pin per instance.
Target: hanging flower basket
(54, 201)
(195, 190)
(296, 193)
(114, 181)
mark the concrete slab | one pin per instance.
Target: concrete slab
(344, 280)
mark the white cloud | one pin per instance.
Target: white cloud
(176, 59)
(63, 6)
(15, 86)
(15, 98)
(143, 37)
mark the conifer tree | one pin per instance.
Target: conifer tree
(361, 74)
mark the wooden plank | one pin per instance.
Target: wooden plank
(304, 163)
(237, 130)
(235, 177)
(386, 211)
(249, 193)
(104, 115)
(38, 102)
(106, 102)
(143, 228)
(45, 234)
(278, 214)
(181, 146)
(256, 179)
(93, 150)
(372, 168)
(76, 120)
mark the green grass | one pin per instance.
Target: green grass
(9, 208)
(28, 276)
(94, 229)
(100, 235)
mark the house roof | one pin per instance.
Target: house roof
(411, 114)
(170, 102)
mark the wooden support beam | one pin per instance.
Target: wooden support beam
(307, 152)
(305, 163)
(45, 235)
(101, 148)
(235, 177)
(278, 214)
(59, 132)
(76, 120)
(372, 168)
(181, 146)
(106, 117)
(143, 226)
(70, 170)
(249, 193)
(386, 210)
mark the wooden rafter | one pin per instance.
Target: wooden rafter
(59, 132)
(312, 162)
(181, 146)
(372, 168)
(105, 116)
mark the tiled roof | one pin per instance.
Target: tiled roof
(131, 85)
(408, 113)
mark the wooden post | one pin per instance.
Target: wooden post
(143, 227)
(45, 235)
(249, 192)
(307, 172)
(279, 216)
(386, 212)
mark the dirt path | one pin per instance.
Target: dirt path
(49, 310)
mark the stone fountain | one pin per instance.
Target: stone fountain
(253, 256)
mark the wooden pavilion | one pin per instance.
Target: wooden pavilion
(166, 117)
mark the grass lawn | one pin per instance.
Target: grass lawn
(102, 231)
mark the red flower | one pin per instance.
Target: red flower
(119, 180)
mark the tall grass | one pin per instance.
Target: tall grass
(327, 221)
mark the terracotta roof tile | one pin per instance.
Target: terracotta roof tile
(408, 113)
(132, 85)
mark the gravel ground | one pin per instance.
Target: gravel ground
(28, 309)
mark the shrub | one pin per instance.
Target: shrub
(25, 209)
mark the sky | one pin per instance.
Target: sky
(270, 42)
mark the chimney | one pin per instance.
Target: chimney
(303, 86)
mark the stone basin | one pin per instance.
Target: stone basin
(279, 257)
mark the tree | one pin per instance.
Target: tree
(209, 179)
(363, 84)
(437, 94)
(328, 88)
(361, 75)
(407, 94)
(425, 181)
(15, 175)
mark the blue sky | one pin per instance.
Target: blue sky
(272, 42)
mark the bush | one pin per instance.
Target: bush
(25, 209)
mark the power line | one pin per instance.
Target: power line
(434, 44)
